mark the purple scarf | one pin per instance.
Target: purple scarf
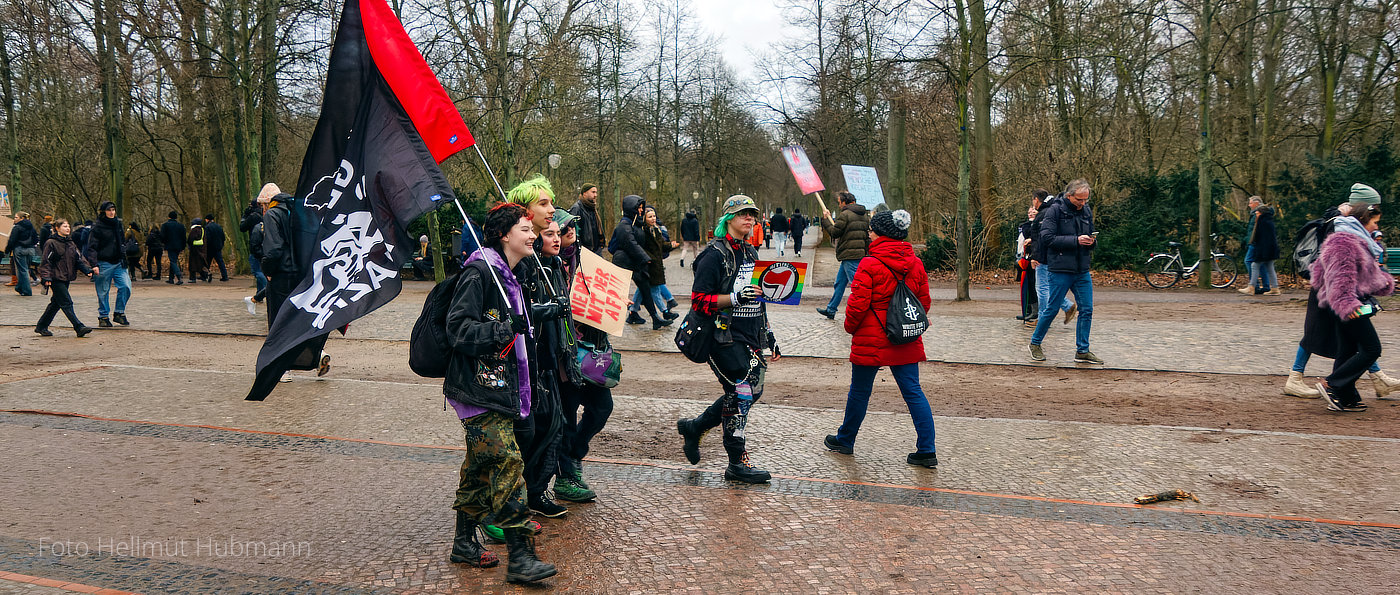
(517, 305)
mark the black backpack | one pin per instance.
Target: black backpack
(255, 241)
(429, 347)
(905, 317)
(1308, 243)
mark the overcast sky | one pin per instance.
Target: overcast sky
(747, 27)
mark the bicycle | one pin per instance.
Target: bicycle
(1165, 269)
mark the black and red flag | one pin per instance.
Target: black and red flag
(371, 169)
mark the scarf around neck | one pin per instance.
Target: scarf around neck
(1352, 226)
(517, 306)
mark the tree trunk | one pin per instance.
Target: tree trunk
(270, 100)
(439, 267)
(1205, 206)
(1268, 83)
(982, 104)
(960, 85)
(1059, 32)
(897, 163)
(106, 32)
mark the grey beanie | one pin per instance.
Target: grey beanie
(891, 224)
(1364, 193)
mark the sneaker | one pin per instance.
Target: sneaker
(104, 322)
(566, 488)
(633, 318)
(925, 459)
(497, 535)
(690, 444)
(1087, 357)
(744, 471)
(670, 315)
(45, 332)
(1037, 353)
(324, 366)
(1354, 407)
(120, 318)
(1030, 323)
(1071, 313)
(285, 377)
(1247, 290)
(829, 315)
(1274, 291)
(834, 446)
(252, 307)
(1331, 399)
(543, 505)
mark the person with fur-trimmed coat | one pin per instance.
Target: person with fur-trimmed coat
(1346, 277)
(890, 259)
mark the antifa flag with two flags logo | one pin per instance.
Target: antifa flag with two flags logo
(371, 169)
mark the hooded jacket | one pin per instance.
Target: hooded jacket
(589, 227)
(279, 257)
(690, 228)
(173, 233)
(490, 365)
(22, 236)
(848, 229)
(61, 260)
(871, 289)
(106, 239)
(626, 242)
(1263, 234)
(1345, 273)
(214, 237)
(657, 247)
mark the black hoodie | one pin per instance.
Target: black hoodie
(627, 239)
(106, 238)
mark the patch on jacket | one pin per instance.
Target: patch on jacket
(493, 314)
(490, 376)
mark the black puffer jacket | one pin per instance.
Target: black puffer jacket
(478, 322)
(627, 238)
(1059, 237)
(22, 236)
(105, 240)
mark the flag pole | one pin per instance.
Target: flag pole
(502, 192)
(822, 203)
(467, 222)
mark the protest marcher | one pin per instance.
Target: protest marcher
(251, 224)
(589, 226)
(132, 248)
(797, 227)
(488, 385)
(198, 252)
(1042, 201)
(214, 247)
(767, 234)
(1025, 246)
(106, 251)
(690, 237)
(756, 238)
(628, 253)
(540, 434)
(59, 265)
(537, 196)
(172, 235)
(155, 248)
(279, 261)
(848, 230)
(22, 246)
(1347, 277)
(779, 224)
(1261, 239)
(657, 248)
(1067, 237)
(724, 295)
(575, 393)
(891, 261)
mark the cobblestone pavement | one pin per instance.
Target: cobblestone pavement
(1123, 341)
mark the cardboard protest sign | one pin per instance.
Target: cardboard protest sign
(781, 281)
(807, 179)
(5, 201)
(863, 182)
(599, 294)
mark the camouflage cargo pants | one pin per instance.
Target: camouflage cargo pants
(492, 490)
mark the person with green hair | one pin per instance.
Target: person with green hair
(537, 196)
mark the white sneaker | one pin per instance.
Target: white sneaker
(286, 377)
(252, 306)
(1296, 387)
(324, 366)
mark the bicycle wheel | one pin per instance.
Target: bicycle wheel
(1222, 271)
(1162, 271)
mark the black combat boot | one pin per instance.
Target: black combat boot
(690, 437)
(120, 318)
(744, 471)
(524, 566)
(465, 547)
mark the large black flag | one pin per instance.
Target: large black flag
(370, 170)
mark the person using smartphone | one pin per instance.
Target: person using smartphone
(1346, 278)
(1068, 237)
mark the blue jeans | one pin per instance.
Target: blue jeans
(106, 273)
(1300, 361)
(256, 264)
(1249, 266)
(1263, 272)
(175, 272)
(1082, 284)
(660, 294)
(1042, 288)
(858, 399)
(844, 276)
(19, 261)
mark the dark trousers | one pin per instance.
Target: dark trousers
(1028, 304)
(218, 258)
(1358, 347)
(153, 263)
(199, 264)
(175, 272)
(644, 287)
(740, 373)
(579, 430)
(540, 436)
(59, 299)
(279, 288)
(133, 264)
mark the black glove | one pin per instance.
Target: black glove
(773, 344)
(519, 325)
(546, 311)
(748, 295)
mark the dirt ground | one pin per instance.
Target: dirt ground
(962, 390)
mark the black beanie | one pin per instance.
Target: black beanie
(891, 224)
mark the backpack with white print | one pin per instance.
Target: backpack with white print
(905, 317)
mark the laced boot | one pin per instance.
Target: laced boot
(690, 438)
(744, 471)
(1384, 384)
(1297, 387)
(465, 547)
(525, 566)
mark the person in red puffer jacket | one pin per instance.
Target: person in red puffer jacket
(890, 259)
